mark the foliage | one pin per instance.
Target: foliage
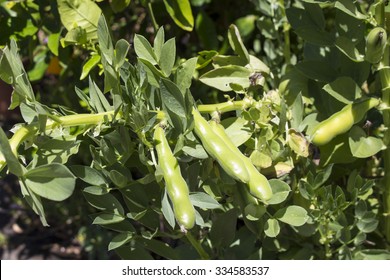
(269, 76)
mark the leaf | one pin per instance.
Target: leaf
(222, 77)
(184, 74)
(53, 42)
(119, 5)
(34, 201)
(174, 102)
(237, 130)
(52, 181)
(154, 75)
(107, 218)
(80, 13)
(236, 43)
(121, 49)
(144, 50)
(206, 31)
(349, 7)
(181, 13)
(158, 43)
(272, 228)
(56, 151)
(317, 70)
(204, 58)
(89, 175)
(204, 201)
(368, 223)
(344, 89)
(89, 65)
(292, 215)
(322, 176)
(223, 229)
(280, 191)
(167, 210)
(108, 203)
(168, 56)
(158, 247)
(120, 240)
(309, 27)
(6, 155)
(363, 146)
(254, 212)
(346, 46)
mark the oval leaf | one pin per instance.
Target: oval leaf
(362, 146)
(272, 228)
(222, 77)
(52, 181)
(280, 191)
(292, 215)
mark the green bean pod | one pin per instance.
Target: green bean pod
(217, 148)
(342, 121)
(258, 184)
(176, 186)
(375, 44)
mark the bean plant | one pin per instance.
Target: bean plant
(266, 140)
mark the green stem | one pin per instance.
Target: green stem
(26, 131)
(198, 247)
(385, 83)
(150, 10)
(286, 33)
(225, 106)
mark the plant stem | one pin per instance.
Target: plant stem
(198, 247)
(151, 13)
(26, 131)
(225, 106)
(286, 33)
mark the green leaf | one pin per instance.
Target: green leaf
(158, 43)
(349, 7)
(181, 13)
(368, 223)
(223, 229)
(237, 130)
(144, 50)
(107, 219)
(272, 228)
(168, 56)
(236, 43)
(206, 31)
(222, 77)
(344, 89)
(184, 74)
(347, 46)
(280, 191)
(154, 75)
(363, 146)
(96, 190)
(97, 99)
(174, 102)
(89, 175)
(204, 201)
(119, 5)
(118, 178)
(76, 36)
(56, 151)
(204, 58)
(53, 42)
(120, 240)
(52, 181)
(292, 215)
(121, 49)
(105, 202)
(372, 254)
(34, 201)
(317, 70)
(254, 212)
(6, 155)
(158, 247)
(80, 13)
(307, 26)
(167, 210)
(105, 41)
(91, 63)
